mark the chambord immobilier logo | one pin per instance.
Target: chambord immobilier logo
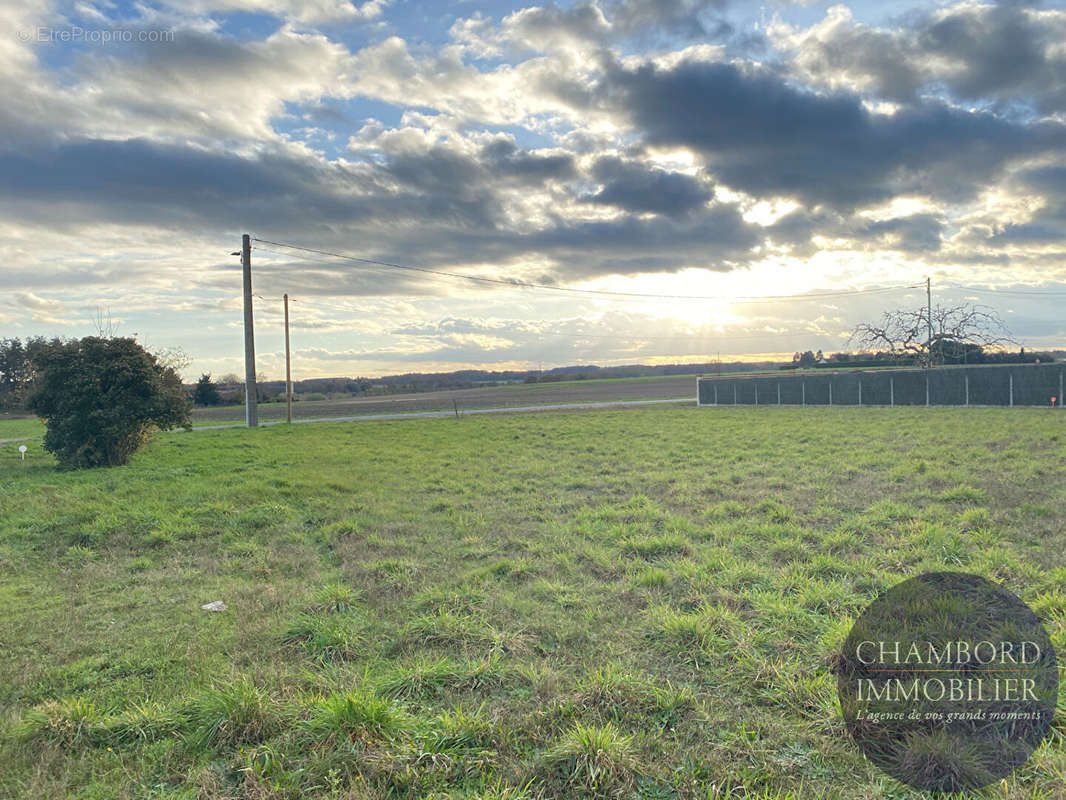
(948, 682)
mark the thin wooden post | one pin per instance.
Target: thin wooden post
(830, 393)
(1011, 390)
(929, 316)
(967, 389)
(891, 391)
(803, 390)
(288, 367)
(860, 391)
(251, 399)
(779, 394)
(927, 390)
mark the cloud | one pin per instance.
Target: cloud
(33, 302)
(589, 25)
(759, 134)
(455, 199)
(689, 19)
(1003, 53)
(1046, 188)
(632, 186)
(204, 86)
(308, 12)
(44, 311)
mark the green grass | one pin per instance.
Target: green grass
(20, 428)
(632, 603)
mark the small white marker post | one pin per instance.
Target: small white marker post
(22, 451)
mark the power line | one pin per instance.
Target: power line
(577, 335)
(515, 284)
(620, 336)
(625, 337)
(329, 257)
(1017, 292)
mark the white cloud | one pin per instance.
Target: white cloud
(307, 12)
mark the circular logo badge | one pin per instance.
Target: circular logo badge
(947, 682)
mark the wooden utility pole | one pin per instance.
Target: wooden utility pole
(929, 318)
(251, 408)
(288, 366)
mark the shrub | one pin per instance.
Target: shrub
(101, 397)
(206, 392)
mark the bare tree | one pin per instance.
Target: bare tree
(955, 331)
(106, 328)
(174, 358)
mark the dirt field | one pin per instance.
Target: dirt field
(491, 397)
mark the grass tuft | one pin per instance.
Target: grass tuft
(594, 761)
(326, 637)
(234, 714)
(358, 714)
(335, 598)
(69, 722)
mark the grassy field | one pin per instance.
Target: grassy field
(510, 395)
(633, 603)
(20, 428)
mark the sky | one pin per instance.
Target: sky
(685, 179)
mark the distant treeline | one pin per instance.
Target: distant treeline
(972, 354)
(17, 374)
(472, 378)
(231, 389)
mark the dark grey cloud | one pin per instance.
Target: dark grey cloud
(918, 233)
(760, 134)
(1003, 53)
(633, 186)
(718, 239)
(142, 182)
(504, 159)
(436, 207)
(1001, 47)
